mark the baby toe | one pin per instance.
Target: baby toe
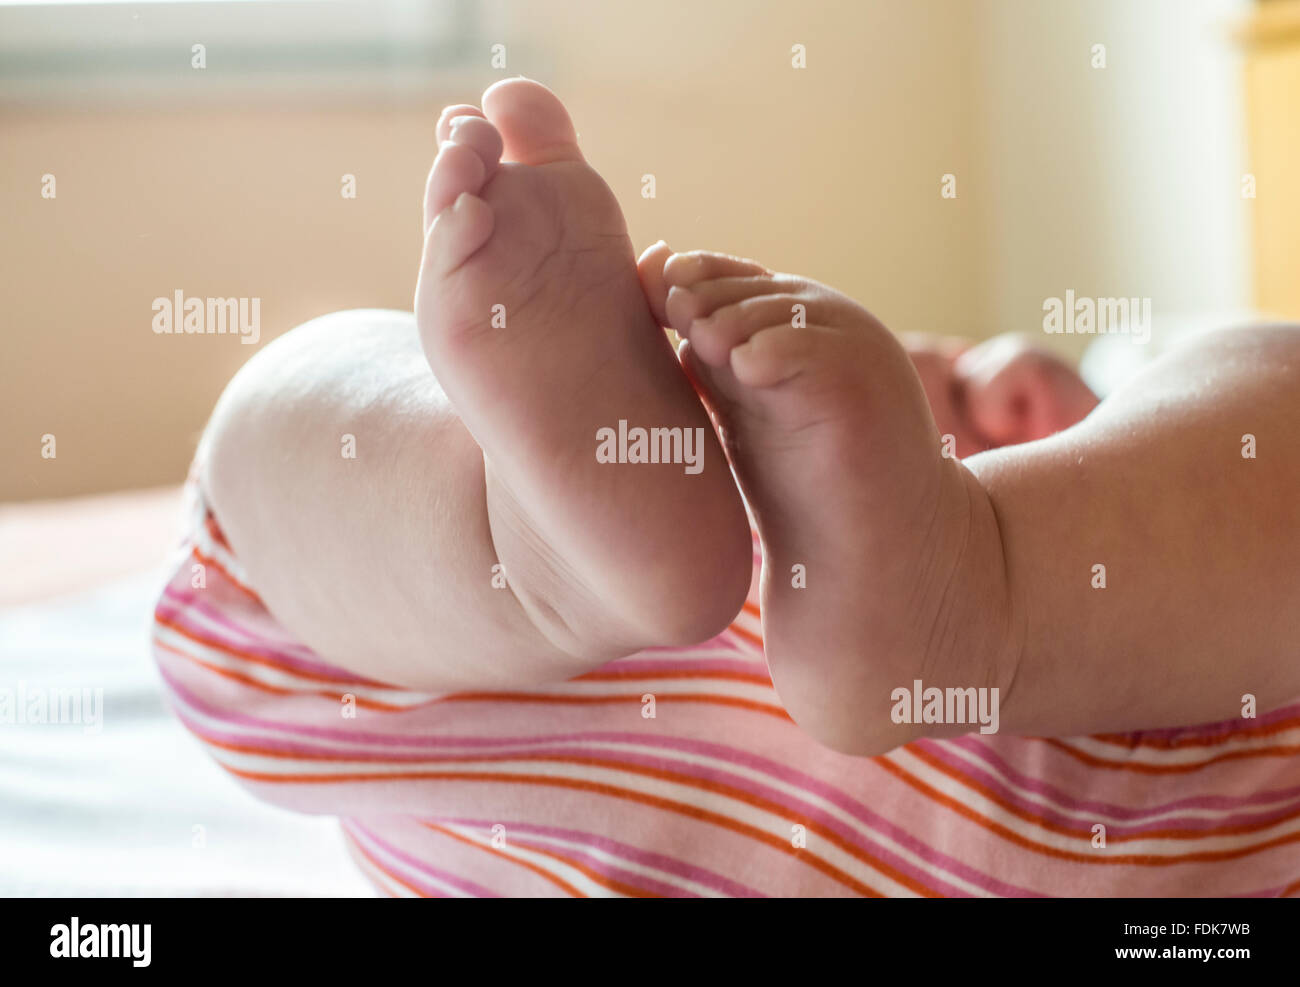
(688, 268)
(480, 136)
(450, 113)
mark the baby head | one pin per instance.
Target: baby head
(999, 392)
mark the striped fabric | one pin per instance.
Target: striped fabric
(577, 790)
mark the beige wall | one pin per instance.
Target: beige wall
(1120, 181)
(218, 203)
(1273, 86)
(832, 171)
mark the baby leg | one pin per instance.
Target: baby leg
(1098, 578)
(459, 528)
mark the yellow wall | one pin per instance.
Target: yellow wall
(218, 203)
(1110, 149)
(1273, 87)
(832, 171)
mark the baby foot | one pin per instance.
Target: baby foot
(536, 327)
(882, 558)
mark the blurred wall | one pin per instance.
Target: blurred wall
(1273, 98)
(216, 203)
(833, 170)
(1114, 181)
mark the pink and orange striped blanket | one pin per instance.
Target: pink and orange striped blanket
(677, 772)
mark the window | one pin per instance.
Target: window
(184, 50)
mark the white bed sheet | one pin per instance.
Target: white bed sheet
(114, 812)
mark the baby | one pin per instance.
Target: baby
(1114, 567)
